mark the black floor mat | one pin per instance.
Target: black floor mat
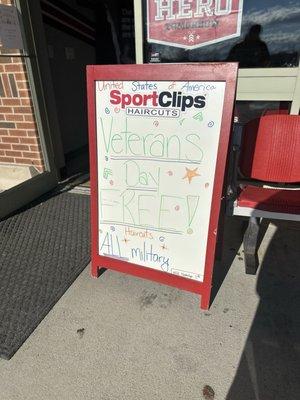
(42, 251)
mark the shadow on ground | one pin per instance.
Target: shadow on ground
(228, 247)
(270, 363)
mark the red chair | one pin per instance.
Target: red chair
(265, 182)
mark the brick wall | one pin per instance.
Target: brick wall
(19, 138)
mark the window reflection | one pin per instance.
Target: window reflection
(252, 51)
(275, 44)
(246, 111)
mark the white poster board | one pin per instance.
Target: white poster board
(157, 145)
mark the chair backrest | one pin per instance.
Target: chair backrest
(271, 149)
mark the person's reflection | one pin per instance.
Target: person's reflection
(269, 368)
(252, 51)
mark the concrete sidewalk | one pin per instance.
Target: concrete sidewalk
(120, 337)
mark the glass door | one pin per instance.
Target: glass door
(27, 166)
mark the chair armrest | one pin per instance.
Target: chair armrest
(234, 154)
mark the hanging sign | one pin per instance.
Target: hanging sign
(158, 143)
(193, 23)
(10, 32)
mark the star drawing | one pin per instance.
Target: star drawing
(190, 174)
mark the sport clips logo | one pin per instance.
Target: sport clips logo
(163, 104)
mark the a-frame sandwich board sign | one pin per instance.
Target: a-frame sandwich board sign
(158, 137)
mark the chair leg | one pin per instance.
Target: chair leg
(250, 246)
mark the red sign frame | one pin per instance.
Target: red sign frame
(216, 72)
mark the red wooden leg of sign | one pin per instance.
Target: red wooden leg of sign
(94, 270)
(205, 300)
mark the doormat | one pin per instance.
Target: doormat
(42, 251)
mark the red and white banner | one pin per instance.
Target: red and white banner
(193, 23)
